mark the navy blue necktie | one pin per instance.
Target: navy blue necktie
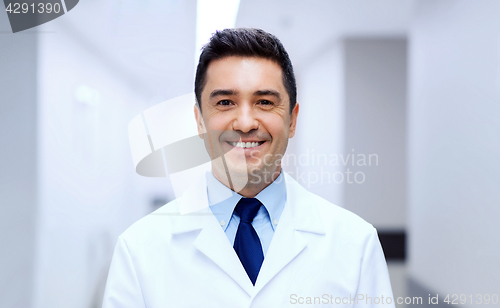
(247, 243)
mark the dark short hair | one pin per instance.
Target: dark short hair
(246, 42)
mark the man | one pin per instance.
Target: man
(247, 235)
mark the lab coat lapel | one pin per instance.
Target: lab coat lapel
(211, 241)
(298, 216)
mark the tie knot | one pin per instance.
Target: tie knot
(247, 208)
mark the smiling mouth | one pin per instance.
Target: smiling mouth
(245, 145)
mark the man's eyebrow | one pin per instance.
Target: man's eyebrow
(222, 92)
(268, 92)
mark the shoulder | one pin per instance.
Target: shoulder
(157, 222)
(332, 216)
(172, 217)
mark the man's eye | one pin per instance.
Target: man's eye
(224, 102)
(265, 102)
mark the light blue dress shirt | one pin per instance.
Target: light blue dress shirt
(223, 200)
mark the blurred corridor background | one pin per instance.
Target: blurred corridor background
(414, 85)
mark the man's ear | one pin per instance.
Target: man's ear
(293, 120)
(199, 121)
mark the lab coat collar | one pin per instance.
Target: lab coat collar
(300, 215)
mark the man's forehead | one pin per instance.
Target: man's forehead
(264, 73)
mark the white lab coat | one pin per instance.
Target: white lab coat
(320, 255)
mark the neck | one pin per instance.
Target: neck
(247, 186)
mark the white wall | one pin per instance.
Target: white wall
(320, 126)
(375, 129)
(88, 188)
(18, 171)
(454, 147)
(89, 191)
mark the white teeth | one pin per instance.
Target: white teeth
(245, 144)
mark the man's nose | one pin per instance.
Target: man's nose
(245, 120)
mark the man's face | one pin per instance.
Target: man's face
(246, 113)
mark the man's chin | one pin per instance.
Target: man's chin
(255, 175)
(242, 173)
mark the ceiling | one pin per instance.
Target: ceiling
(151, 43)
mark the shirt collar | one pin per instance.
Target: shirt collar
(223, 200)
